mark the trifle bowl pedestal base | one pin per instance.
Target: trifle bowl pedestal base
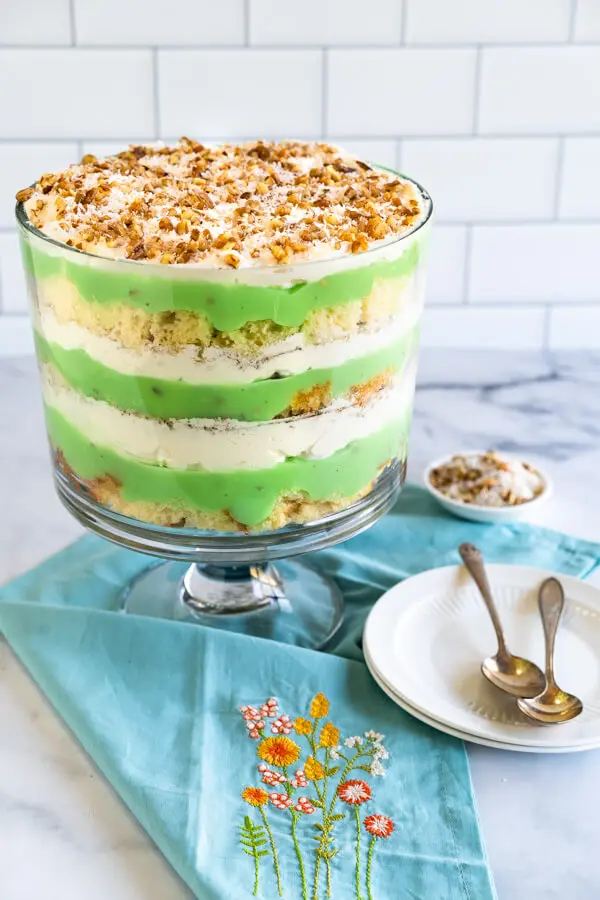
(230, 580)
(290, 602)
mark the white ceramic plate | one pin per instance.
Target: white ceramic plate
(426, 638)
(462, 735)
(487, 514)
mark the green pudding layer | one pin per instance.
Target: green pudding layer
(251, 402)
(227, 306)
(248, 495)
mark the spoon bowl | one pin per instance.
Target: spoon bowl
(551, 708)
(514, 675)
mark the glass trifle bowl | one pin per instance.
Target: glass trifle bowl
(227, 342)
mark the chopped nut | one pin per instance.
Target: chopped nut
(24, 195)
(264, 200)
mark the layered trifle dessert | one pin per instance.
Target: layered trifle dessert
(226, 335)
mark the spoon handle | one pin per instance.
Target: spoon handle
(473, 560)
(551, 601)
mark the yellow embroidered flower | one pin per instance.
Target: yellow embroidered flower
(319, 706)
(313, 769)
(302, 726)
(255, 796)
(278, 751)
(330, 736)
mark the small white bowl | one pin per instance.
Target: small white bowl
(488, 514)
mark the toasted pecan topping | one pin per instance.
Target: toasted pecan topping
(259, 203)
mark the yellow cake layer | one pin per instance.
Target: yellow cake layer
(174, 330)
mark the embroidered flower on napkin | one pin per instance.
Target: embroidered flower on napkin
(325, 773)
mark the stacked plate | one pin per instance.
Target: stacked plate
(425, 639)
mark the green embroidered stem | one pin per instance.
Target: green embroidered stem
(348, 768)
(357, 878)
(273, 852)
(252, 840)
(324, 849)
(255, 891)
(327, 859)
(315, 893)
(290, 791)
(299, 855)
(369, 862)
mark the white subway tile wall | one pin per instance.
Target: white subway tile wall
(35, 21)
(587, 21)
(12, 276)
(406, 91)
(494, 106)
(335, 23)
(478, 179)
(580, 187)
(487, 21)
(547, 263)
(148, 22)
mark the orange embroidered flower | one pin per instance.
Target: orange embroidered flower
(302, 726)
(330, 736)
(379, 826)
(279, 751)
(255, 796)
(354, 792)
(319, 706)
(313, 769)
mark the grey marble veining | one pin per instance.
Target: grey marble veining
(64, 834)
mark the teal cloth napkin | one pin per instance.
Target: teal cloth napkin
(258, 768)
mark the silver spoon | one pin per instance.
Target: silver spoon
(512, 674)
(553, 705)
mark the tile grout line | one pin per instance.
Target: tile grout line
(523, 45)
(403, 22)
(155, 93)
(72, 23)
(572, 21)
(246, 23)
(491, 136)
(324, 91)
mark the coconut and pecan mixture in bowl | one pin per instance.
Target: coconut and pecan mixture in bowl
(487, 479)
(255, 204)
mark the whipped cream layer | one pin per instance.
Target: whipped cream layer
(292, 356)
(224, 444)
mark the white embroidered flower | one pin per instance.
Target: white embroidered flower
(377, 768)
(374, 736)
(354, 741)
(380, 752)
(334, 752)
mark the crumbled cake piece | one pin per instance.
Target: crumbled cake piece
(487, 479)
(254, 204)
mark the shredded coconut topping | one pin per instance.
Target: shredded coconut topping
(487, 479)
(254, 204)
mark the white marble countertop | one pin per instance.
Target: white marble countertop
(64, 833)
